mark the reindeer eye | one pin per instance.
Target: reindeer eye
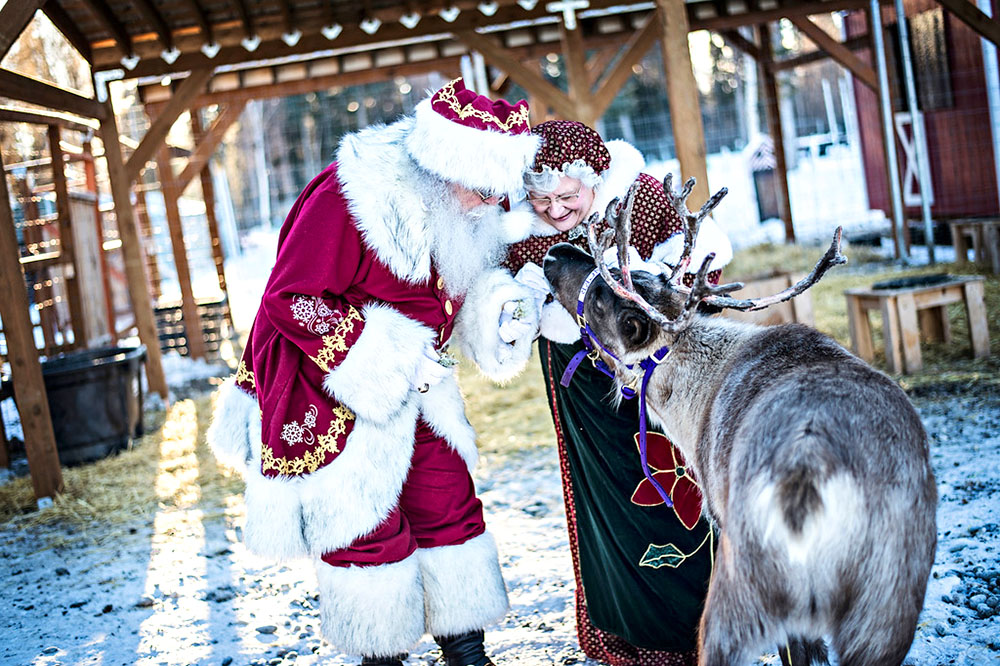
(634, 328)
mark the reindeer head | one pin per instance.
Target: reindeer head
(632, 314)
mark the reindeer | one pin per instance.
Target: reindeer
(813, 465)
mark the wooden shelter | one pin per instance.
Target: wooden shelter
(226, 52)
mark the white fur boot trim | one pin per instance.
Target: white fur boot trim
(463, 588)
(374, 378)
(478, 322)
(274, 528)
(444, 410)
(234, 435)
(374, 611)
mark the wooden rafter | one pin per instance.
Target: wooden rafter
(598, 63)
(638, 46)
(860, 69)
(156, 22)
(742, 43)
(179, 102)
(14, 18)
(287, 15)
(26, 89)
(11, 114)
(575, 59)
(110, 21)
(246, 21)
(971, 15)
(529, 79)
(201, 18)
(208, 142)
(854, 43)
(69, 29)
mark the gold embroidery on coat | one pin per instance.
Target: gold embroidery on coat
(336, 342)
(245, 375)
(311, 460)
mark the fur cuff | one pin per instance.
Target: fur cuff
(477, 326)
(463, 588)
(274, 528)
(375, 611)
(558, 325)
(518, 224)
(711, 238)
(234, 435)
(374, 378)
(443, 409)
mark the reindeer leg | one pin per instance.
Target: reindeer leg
(733, 622)
(803, 652)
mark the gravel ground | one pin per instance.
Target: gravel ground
(182, 590)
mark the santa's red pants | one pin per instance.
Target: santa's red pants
(437, 507)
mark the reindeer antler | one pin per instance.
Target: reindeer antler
(691, 221)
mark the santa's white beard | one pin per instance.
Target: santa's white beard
(464, 243)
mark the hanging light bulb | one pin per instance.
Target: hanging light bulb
(210, 50)
(449, 14)
(292, 38)
(488, 8)
(170, 55)
(130, 61)
(332, 31)
(410, 20)
(250, 43)
(370, 25)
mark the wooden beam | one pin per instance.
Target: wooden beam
(10, 114)
(181, 100)
(107, 18)
(860, 69)
(852, 44)
(575, 59)
(682, 96)
(189, 308)
(66, 239)
(26, 89)
(968, 13)
(69, 29)
(26, 371)
(529, 79)
(14, 18)
(781, 10)
(207, 142)
(638, 46)
(772, 111)
(201, 18)
(246, 20)
(742, 43)
(138, 287)
(156, 22)
(599, 62)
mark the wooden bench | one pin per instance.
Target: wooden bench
(984, 236)
(798, 309)
(909, 313)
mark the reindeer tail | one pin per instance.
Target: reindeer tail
(798, 496)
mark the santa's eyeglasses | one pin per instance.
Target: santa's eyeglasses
(487, 196)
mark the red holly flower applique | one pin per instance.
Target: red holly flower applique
(666, 465)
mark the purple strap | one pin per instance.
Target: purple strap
(574, 363)
(648, 365)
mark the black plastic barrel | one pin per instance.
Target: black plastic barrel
(95, 398)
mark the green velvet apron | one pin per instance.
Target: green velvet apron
(643, 573)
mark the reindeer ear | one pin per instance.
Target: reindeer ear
(635, 329)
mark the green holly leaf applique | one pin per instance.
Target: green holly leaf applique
(662, 556)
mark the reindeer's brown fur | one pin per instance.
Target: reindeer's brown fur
(814, 465)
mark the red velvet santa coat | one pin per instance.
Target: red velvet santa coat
(321, 415)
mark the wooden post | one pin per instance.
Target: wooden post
(576, 72)
(772, 109)
(192, 320)
(682, 95)
(208, 195)
(67, 254)
(38, 273)
(132, 251)
(90, 172)
(26, 371)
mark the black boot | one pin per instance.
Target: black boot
(383, 661)
(464, 650)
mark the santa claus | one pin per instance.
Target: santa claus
(344, 414)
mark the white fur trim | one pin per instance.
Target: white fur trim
(273, 527)
(463, 587)
(476, 159)
(379, 181)
(626, 164)
(518, 223)
(557, 324)
(711, 238)
(477, 326)
(235, 429)
(374, 611)
(374, 378)
(444, 410)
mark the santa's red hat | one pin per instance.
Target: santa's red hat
(472, 140)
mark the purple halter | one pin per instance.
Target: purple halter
(590, 350)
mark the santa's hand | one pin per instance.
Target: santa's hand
(429, 371)
(514, 322)
(532, 277)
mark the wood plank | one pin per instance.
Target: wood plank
(972, 16)
(638, 46)
(890, 330)
(179, 102)
(208, 141)
(909, 333)
(12, 114)
(575, 59)
(90, 173)
(156, 21)
(26, 370)
(106, 17)
(26, 89)
(529, 79)
(934, 324)
(132, 251)
(742, 43)
(772, 111)
(975, 309)
(682, 96)
(171, 193)
(66, 245)
(860, 328)
(14, 18)
(860, 69)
